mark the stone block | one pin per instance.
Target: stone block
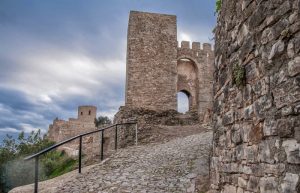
(274, 169)
(285, 127)
(276, 50)
(239, 152)
(250, 153)
(289, 183)
(268, 185)
(267, 150)
(253, 183)
(236, 136)
(242, 182)
(228, 117)
(256, 133)
(240, 190)
(261, 87)
(287, 110)
(270, 127)
(261, 105)
(248, 112)
(245, 132)
(294, 67)
(229, 189)
(292, 150)
(252, 74)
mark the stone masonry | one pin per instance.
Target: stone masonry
(157, 69)
(256, 145)
(61, 130)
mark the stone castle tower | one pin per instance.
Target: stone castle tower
(157, 69)
(87, 113)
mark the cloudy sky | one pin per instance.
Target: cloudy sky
(58, 54)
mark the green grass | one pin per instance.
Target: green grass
(67, 166)
(57, 163)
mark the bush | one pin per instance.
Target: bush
(102, 120)
(17, 172)
(218, 5)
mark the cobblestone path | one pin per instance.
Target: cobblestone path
(175, 166)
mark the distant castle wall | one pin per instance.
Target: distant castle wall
(61, 130)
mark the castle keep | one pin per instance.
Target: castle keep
(157, 69)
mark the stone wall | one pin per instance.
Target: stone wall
(148, 121)
(256, 145)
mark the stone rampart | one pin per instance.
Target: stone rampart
(256, 145)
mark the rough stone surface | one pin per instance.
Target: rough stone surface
(180, 165)
(256, 127)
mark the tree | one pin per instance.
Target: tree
(14, 171)
(102, 120)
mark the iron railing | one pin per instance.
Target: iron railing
(37, 155)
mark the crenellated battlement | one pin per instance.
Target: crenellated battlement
(195, 46)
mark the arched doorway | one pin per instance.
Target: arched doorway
(183, 101)
(187, 83)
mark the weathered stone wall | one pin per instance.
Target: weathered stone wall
(148, 121)
(151, 61)
(256, 145)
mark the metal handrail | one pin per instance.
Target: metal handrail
(36, 156)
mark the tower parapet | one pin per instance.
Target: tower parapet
(196, 52)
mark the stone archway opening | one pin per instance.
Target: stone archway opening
(183, 101)
(187, 83)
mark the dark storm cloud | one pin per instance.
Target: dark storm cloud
(58, 54)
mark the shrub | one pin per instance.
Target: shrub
(239, 75)
(218, 5)
(14, 171)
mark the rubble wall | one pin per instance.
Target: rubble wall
(256, 145)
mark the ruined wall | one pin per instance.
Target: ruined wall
(151, 61)
(256, 145)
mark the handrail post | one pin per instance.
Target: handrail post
(136, 133)
(102, 143)
(79, 154)
(116, 137)
(36, 177)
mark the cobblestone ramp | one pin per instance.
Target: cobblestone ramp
(180, 165)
